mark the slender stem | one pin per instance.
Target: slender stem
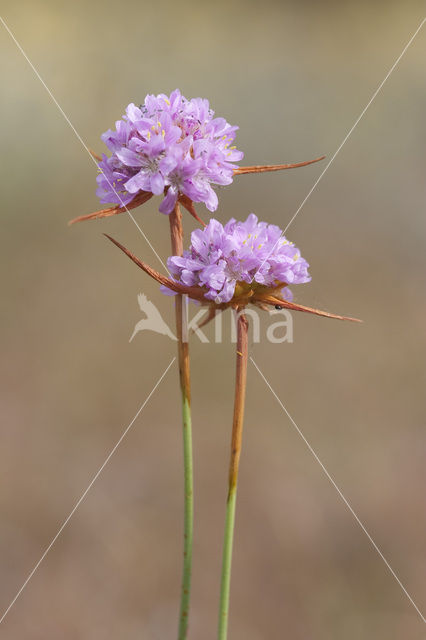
(176, 233)
(237, 434)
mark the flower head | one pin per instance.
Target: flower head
(239, 258)
(226, 267)
(168, 145)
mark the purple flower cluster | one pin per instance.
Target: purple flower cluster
(169, 143)
(220, 257)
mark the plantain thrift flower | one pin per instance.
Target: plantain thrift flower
(234, 266)
(239, 256)
(168, 145)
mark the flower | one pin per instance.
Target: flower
(168, 145)
(235, 265)
(248, 256)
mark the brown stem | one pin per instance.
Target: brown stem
(239, 398)
(176, 236)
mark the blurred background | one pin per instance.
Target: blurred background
(294, 76)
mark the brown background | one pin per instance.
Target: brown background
(294, 76)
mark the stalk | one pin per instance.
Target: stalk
(237, 433)
(176, 233)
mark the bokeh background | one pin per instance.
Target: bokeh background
(294, 76)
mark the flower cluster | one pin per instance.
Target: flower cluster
(168, 145)
(223, 260)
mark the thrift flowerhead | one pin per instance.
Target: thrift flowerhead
(169, 145)
(232, 266)
(240, 257)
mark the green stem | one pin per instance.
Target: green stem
(226, 565)
(237, 433)
(188, 520)
(176, 233)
